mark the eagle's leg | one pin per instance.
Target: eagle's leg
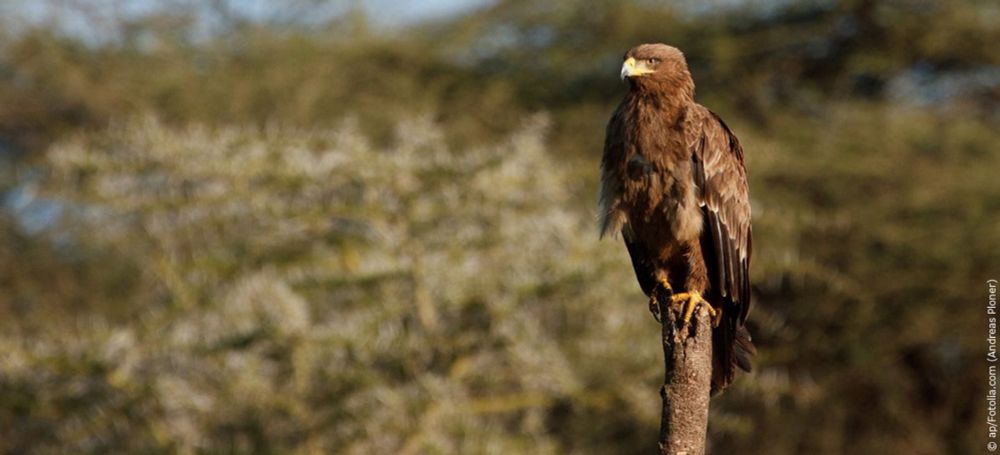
(662, 290)
(690, 302)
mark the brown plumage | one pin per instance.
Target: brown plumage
(674, 184)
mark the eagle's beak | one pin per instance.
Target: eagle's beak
(627, 67)
(631, 69)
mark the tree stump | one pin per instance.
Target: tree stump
(687, 354)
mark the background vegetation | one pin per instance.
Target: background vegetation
(287, 232)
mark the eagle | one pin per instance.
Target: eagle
(674, 185)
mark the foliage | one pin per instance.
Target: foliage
(316, 294)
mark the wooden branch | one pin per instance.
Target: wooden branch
(687, 355)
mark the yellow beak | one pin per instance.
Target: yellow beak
(631, 69)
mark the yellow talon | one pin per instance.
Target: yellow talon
(691, 300)
(654, 304)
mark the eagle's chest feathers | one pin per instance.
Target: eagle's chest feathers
(654, 198)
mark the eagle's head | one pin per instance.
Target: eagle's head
(657, 68)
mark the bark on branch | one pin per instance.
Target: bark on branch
(687, 354)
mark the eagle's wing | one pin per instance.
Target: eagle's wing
(723, 194)
(725, 200)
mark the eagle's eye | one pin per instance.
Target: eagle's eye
(652, 61)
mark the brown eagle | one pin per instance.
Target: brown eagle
(674, 184)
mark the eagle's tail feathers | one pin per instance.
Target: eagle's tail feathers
(732, 348)
(744, 349)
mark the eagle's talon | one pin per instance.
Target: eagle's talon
(716, 316)
(654, 307)
(689, 301)
(662, 290)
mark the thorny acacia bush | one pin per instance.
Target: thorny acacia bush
(313, 293)
(305, 290)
